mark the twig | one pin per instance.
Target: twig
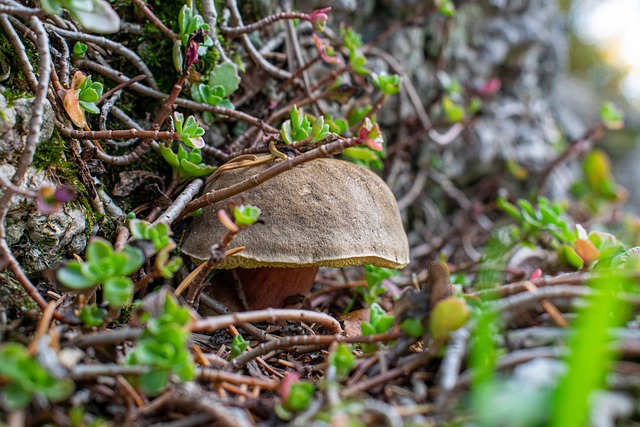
(180, 202)
(20, 52)
(116, 47)
(85, 372)
(267, 315)
(238, 31)
(19, 10)
(253, 52)
(280, 167)
(120, 86)
(211, 17)
(186, 103)
(217, 375)
(99, 135)
(111, 336)
(577, 147)
(406, 368)
(155, 21)
(306, 340)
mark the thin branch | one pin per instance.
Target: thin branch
(155, 21)
(255, 55)
(217, 375)
(267, 315)
(115, 134)
(216, 195)
(245, 29)
(116, 47)
(306, 340)
(20, 52)
(186, 103)
(180, 202)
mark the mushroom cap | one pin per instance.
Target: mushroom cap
(325, 212)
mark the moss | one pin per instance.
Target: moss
(53, 156)
(16, 84)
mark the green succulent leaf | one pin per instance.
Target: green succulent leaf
(225, 75)
(92, 315)
(246, 215)
(71, 276)
(118, 291)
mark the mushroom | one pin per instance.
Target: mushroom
(325, 212)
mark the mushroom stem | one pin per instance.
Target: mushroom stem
(263, 287)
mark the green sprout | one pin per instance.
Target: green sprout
(93, 15)
(598, 185)
(92, 315)
(163, 348)
(223, 80)
(160, 235)
(611, 116)
(295, 396)
(79, 50)
(446, 7)
(389, 84)
(88, 93)
(245, 215)
(342, 359)
(186, 164)
(189, 21)
(298, 127)
(353, 41)
(374, 277)
(23, 378)
(188, 131)
(238, 345)
(379, 323)
(105, 267)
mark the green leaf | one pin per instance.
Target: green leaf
(246, 215)
(98, 248)
(154, 381)
(508, 207)
(99, 17)
(285, 131)
(134, 259)
(184, 17)
(89, 107)
(169, 156)
(413, 327)
(389, 84)
(15, 397)
(226, 76)
(300, 396)
(343, 360)
(118, 291)
(611, 116)
(92, 315)
(238, 345)
(72, 276)
(452, 111)
(51, 7)
(191, 170)
(79, 50)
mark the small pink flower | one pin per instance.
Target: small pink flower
(536, 274)
(318, 18)
(50, 201)
(326, 52)
(490, 87)
(370, 135)
(285, 386)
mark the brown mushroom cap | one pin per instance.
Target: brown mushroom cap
(324, 213)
